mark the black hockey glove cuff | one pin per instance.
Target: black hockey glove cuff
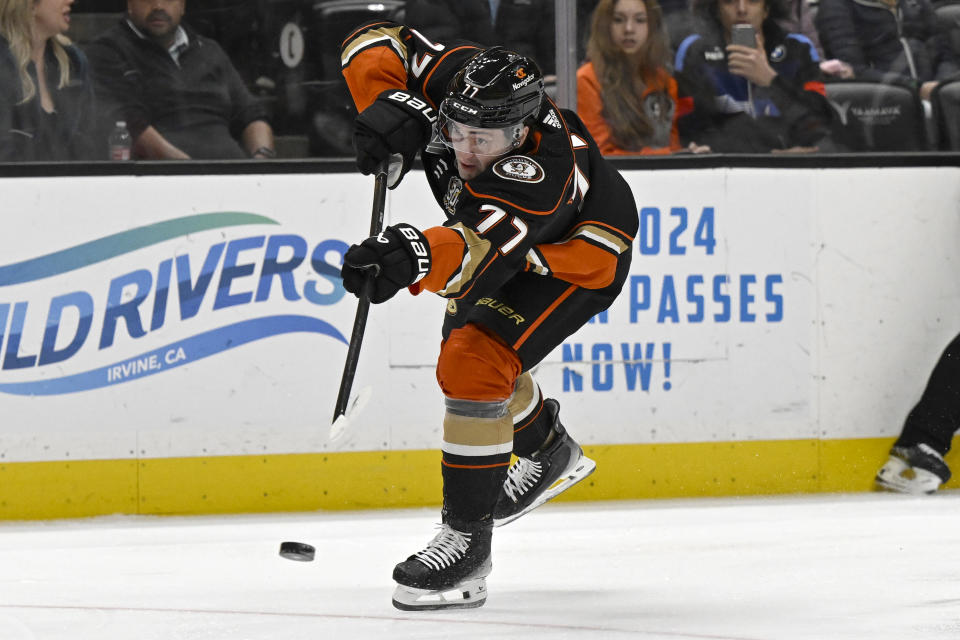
(396, 258)
(398, 121)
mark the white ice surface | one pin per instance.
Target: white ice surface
(871, 566)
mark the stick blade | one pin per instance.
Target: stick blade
(344, 421)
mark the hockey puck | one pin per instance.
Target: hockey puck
(298, 551)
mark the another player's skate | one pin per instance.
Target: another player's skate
(917, 470)
(450, 573)
(544, 475)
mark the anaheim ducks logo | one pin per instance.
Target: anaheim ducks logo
(519, 168)
(454, 187)
(452, 307)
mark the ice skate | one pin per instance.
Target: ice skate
(544, 475)
(450, 573)
(915, 470)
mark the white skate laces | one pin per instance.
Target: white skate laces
(522, 477)
(446, 548)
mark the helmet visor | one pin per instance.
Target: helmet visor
(479, 141)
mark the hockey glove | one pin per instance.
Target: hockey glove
(398, 121)
(396, 258)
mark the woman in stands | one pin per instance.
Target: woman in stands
(625, 95)
(46, 105)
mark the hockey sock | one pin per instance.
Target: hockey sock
(532, 424)
(477, 441)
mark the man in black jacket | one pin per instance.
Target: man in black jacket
(896, 42)
(177, 91)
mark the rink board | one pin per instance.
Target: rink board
(177, 347)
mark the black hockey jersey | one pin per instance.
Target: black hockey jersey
(554, 206)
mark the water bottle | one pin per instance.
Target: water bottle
(120, 142)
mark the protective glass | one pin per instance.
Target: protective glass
(477, 141)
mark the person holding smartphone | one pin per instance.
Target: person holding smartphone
(747, 86)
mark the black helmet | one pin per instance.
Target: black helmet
(497, 88)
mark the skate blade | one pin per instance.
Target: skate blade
(584, 467)
(899, 477)
(467, 595)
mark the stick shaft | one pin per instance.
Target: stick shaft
(363, 305)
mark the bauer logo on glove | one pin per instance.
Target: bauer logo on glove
(414, 102)
(398, 122)
(383, 264)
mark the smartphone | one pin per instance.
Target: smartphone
(744, 35)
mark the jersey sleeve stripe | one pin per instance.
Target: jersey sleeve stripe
(599, 236)
(537, 262)
(610, 229)
(374, 38)
(361, 29)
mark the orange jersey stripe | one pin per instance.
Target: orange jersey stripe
(446, 250)
(543, 316)
(570, 260)
(371, 72)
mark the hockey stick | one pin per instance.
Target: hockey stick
(340, 418)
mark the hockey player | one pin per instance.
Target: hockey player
(537, 240)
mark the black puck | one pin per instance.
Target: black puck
(298, 551)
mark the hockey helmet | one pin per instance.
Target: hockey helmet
(496, 89)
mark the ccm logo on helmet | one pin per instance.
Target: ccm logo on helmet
(459, 106)
(414, 103)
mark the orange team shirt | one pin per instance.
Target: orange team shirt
(590, 110)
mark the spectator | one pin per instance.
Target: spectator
(625, 95)
(889, 41)
(798, 18)
(524, 26)
(47, 99)
(916, 462)
(178, 92)
(750, 99)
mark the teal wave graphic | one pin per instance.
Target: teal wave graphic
(175, 354)
(118, 244)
